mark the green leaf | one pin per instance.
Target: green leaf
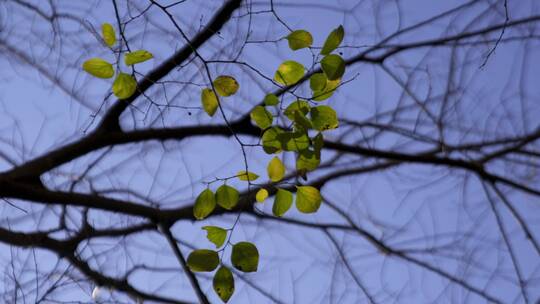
(226, 85)
(299, 105)
(275, 169)
(246, 176)
(216, 235)
(333, 66)
(294, 141)
(317, 81)
(137, 57)
(223, 283)
(324, 118)
(262, 117)
(109, 36)
(318, 142)
(227, 197)
(282, 202)
(308, 160)
(209, 101)
(299, 39)
(245, 257)
(270, 141)
(289, 73)
(99, 68)
(261, 195)
(203, 260)
(271, 100)
(204, 205)
(300, 121)
(124, 86)
(333, 40)
(328, 90)
(308, 199)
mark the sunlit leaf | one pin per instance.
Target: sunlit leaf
(209, 101)
(245, 257)
(270, 141)
(282, 202)
(299, 105)
(308, 199)
(203, 260)
(328, 90)
(299, 39)
(216, 235)
(108, 34)
(333, 66)
(333, 40)
(324, 118)
(276, 169)
(262, 117)
(261, 195)
(204, 205)
(271, 100)
(99, 68)
(227, 197)
(245, 176)
(317, 81)
(137, 57)
(226, 85)
(124, 86)
(289, 73)
(223, 283)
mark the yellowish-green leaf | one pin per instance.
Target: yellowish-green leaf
(293, 141)
(203, 260)
(271, 100)
(227, 197)
(333, 40)
(299, 39)
(276, 169)
(99, 68)
(216, 235)
(261, 195)
(223, 283)
(308, 199)
(204, 205)
(307, 160)
(109, 36)
(328, 90)
(333, 66)
(301, 122)
(226, 85)
(270, 141)
(289, 73)
(262, 117)
(282, 202)
(299, 105)
(317, 81)
(246, 176)
(324, 118)
(245, 257)
(137, 57)
(209, 101)
(124, 86)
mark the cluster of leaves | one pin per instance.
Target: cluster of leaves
(304, 137)
(124, 84)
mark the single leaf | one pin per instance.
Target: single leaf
(318, 142)
(275, 169)
(245, 257)
(137, 57)
(308, 160)
(299, 105)
(261, 195)
(109, 36)
(289, 73)
(246, 176)
(223, 283)
(324, 118)
(203, 260)
(262, 117)
(226, 85)
(124, 86)
(204, 204)
(271, 100)
(308, 199)
(317, 81)
(299, 39)
(209, 101)
(333, 66)
(227, 197)
(333, 40)
(270, 141)
(282, 202)
(99, 68)
(216, 235)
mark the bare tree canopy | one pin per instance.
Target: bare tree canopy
(264, 151)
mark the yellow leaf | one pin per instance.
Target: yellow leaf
(209, 101)
(99, 68)
(137, 57)
(261, 195)
(226, 85)
(276, 169)
(124, 86)
(245, 176)
(109, 36)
